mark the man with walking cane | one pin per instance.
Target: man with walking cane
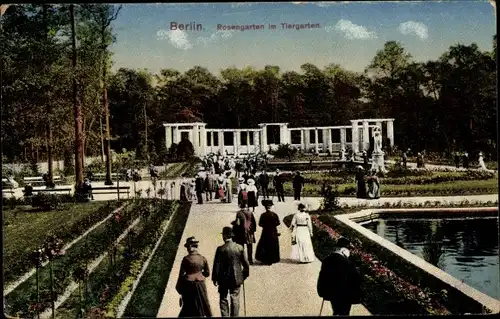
(230, 270)
(339, 280)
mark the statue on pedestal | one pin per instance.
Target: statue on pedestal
(482, 166)
(377, 154)
(342, 155)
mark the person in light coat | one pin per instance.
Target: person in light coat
(302, 231)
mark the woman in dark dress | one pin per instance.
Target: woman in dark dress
(191, 283)
(360, 183)
(268, 248)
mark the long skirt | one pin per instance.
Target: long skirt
(361, 189)
(252, 199)
(183, 196)
(195, 300)
(268, 248)
(303, 250)
(374, 191)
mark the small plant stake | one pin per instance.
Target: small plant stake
(52, 248)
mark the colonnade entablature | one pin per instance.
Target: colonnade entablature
(321, 139)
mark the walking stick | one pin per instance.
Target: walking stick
(244, 301)
(321, 310)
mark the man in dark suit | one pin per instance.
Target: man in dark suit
(264, 184)
(199, 188)
(230, 270)
(297, 183)
(339, 280)
(278, 182)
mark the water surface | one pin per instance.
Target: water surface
(467, 249)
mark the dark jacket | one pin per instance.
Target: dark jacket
(231, 266)
(264, 180)
(198, 186)
(278, 181)
(339, 279)
(298, 182)
(244, 228)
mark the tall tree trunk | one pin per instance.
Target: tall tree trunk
(77, 110)
(102, 140)
(50, 160)
(106, 110)
(146, 148)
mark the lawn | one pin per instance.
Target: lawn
(25, 229)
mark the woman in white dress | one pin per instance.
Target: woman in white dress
(302, 231)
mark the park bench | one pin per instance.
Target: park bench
(39, 180)
(52, 190)
(102, 176)
(111, 190)
(6, 184)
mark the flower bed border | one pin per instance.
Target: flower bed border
(457, 300)
(147, 298)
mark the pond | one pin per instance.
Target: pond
(465, 248)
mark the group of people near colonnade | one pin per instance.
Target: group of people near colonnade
(339, 280)
(367, 183)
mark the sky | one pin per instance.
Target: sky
(346, 33)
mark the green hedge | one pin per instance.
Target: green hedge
(109, 283)
(148, 296)
(18, 261)
(84, 251)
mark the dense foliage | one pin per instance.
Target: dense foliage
(443, 104)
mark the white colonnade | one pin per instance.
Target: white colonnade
(254, 140)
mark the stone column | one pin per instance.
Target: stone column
(390, 132)
(190, 137)
(302, 139)
(203, 140)
(256, 142)
(211, 141)
(316, 144)
(343, 138)
(263, 143)
(307, 138)
(355, 137)
(366, 136)
(248, 142)
(196, 139)
(168, 137)
(282, 134)
(221, 143)
(178, 134)
(236, 142)
(326, 140)
(174, 135)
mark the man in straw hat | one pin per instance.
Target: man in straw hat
(230, 270)
(339, 280)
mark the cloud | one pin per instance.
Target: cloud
(214, 37)
(352, 31)
(414, 27)
(178, 38)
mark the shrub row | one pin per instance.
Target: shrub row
(147, 298)
(127, 256)
(84, 251)
(20, 262)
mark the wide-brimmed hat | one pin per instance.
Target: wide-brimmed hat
(227, 231)
(250, 181)
(267, 202)
(359, 167)
(241, 179)
(191, 241)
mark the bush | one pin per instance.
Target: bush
(50, 201)
(185, 149)
(330, 200)
(284, 151)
